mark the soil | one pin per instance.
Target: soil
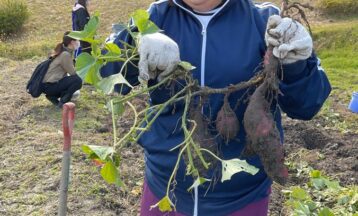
(323, 149)
(31, 153)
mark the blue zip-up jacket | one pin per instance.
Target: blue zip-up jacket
(227, 51)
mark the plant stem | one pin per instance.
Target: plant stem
(185, 146)
(207, 90)
(126, 62)
(212, 154)
(114, 125)
(175, 168)
(197, 150)
(188, 134)
(164, 105)
(144, 90)
(121, 141)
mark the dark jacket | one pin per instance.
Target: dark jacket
(228, 51)
(80, 18)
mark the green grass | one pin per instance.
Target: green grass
(50, 19)
(338, 7)
(337, 46)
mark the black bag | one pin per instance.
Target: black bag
(33, 86)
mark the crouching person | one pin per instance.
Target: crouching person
(61, 81)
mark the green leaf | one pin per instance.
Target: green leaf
(110, 174)
(118, 107)
(343, 200)
(83, 36)
(332, 184)
(113, 53)
(199, 181)
(113, 48)
(318, 183)
(233, 166)
(88, 32)
(164, 205)
(141, 20)
(186, 66)
(325, 212)
(299, 194)
(101, 152)
(111, 57)
(107, 84)
(315, 174)
(87, 68)
(91, 155)
(311, 205)
(301, 209)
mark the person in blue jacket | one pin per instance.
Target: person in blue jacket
(226, 41)
(80, 17)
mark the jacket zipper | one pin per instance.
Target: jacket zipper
(203, 55)
(204, 40)
(202, 77)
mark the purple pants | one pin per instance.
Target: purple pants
(258, 208)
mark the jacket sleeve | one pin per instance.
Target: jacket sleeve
(131, 71)
(67, 63)
(304, 88)
(81, 19)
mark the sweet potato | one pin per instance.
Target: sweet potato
(263, 136)
(227, 123)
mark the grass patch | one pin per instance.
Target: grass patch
(13, 14)
(337, 46)
(49, 20)
(338, 7)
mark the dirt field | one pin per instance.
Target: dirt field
(31, 149)
(327, 150)
(31, 154)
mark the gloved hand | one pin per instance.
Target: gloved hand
(290, 39)
(159, 55)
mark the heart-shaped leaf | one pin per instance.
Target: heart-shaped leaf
(164, 205)
(233, 166)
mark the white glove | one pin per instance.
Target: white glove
(159, 55)
(290, 39)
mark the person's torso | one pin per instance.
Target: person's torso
(79, 15)
(56, 71)
(227, 51)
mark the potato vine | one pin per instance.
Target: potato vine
(198, 157)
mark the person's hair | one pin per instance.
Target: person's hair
(60, 47)
(83, 3)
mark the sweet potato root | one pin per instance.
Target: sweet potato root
(227, 123)
(263, 135)
(203, 138)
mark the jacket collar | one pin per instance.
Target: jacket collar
(67, 49)
(181, 4)
(77, 7)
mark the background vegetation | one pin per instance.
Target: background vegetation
(339, 7)
(31, 136)
(13, 15)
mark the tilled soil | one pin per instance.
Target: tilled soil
(31, 153)
(327, 150)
